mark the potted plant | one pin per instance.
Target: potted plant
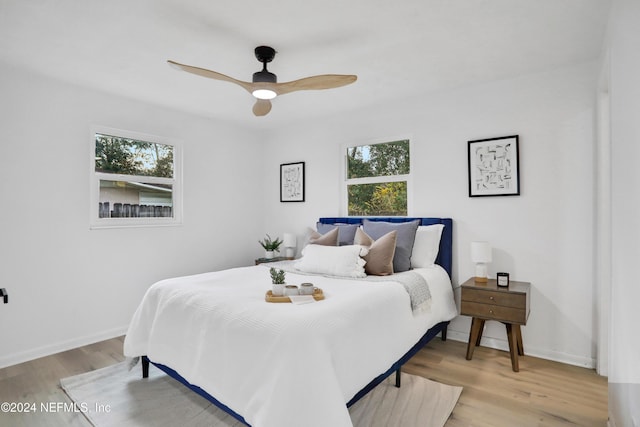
(277, 280)
(270, 246)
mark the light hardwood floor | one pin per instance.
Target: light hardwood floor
(543, 393)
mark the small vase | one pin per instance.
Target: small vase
(306, 289)
(291, 290)
(268, 254)
(277, 290)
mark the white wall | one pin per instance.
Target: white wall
(624, 349)
(544, 236)
(69, 285)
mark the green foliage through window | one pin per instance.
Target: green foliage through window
(382, 199)
(127, 156)
(390, 158)
(376, 179)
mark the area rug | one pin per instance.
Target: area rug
(118, 396)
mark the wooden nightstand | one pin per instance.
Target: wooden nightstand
(488, 301)
(274, 259)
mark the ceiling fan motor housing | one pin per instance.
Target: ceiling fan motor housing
(264, 54)
(264, 76)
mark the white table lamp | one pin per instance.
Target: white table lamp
(481, 255)
(289, 243)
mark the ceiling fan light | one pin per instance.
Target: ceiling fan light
(264, 94)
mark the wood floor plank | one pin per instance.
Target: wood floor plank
(543, 393)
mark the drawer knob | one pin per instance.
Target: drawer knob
(490, 311)
(491, 298)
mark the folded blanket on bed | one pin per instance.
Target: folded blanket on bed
(415, 285)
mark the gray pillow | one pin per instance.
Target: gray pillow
(346, 232)
(404, 242)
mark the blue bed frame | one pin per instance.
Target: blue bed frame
(444, 259)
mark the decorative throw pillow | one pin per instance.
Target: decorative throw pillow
(340, 261)
(426, 246)
(346, 232)
(404, 243)
(380, 257)
(328, 239)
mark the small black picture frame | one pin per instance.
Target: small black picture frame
(494, 167)
(292, 182)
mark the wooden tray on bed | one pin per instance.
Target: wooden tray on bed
(269, 297)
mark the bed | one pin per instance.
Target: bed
(278, 365)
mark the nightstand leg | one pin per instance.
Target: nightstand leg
(476, 325)
(519, 339)
(513, 346)
(481, 332)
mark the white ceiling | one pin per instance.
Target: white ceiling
(397, 49)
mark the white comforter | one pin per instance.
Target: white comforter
(282, 365)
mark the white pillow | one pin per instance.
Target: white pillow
(341, 261)
(426, 245)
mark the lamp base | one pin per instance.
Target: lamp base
(481, 273)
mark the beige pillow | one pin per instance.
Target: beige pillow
(380, 257)
(328, 239)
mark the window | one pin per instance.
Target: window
(135, 180)
(377, 179)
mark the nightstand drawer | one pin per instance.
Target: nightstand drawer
(494, 312)
(503, 299)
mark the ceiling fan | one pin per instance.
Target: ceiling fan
(265, 86)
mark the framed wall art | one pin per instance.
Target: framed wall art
(494, 168)
(292, 182)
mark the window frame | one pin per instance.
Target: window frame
(95, 222)
(344, 205)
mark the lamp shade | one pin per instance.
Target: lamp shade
(480, 252)
(289, 240)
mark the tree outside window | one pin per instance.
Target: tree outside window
(127, 156)
(377, 176)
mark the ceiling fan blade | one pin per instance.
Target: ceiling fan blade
(325, 81)
(262, 107)
(211, 74)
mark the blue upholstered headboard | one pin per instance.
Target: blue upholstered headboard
(445, 255)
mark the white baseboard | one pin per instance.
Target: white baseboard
(48, 350)
(499, 344)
